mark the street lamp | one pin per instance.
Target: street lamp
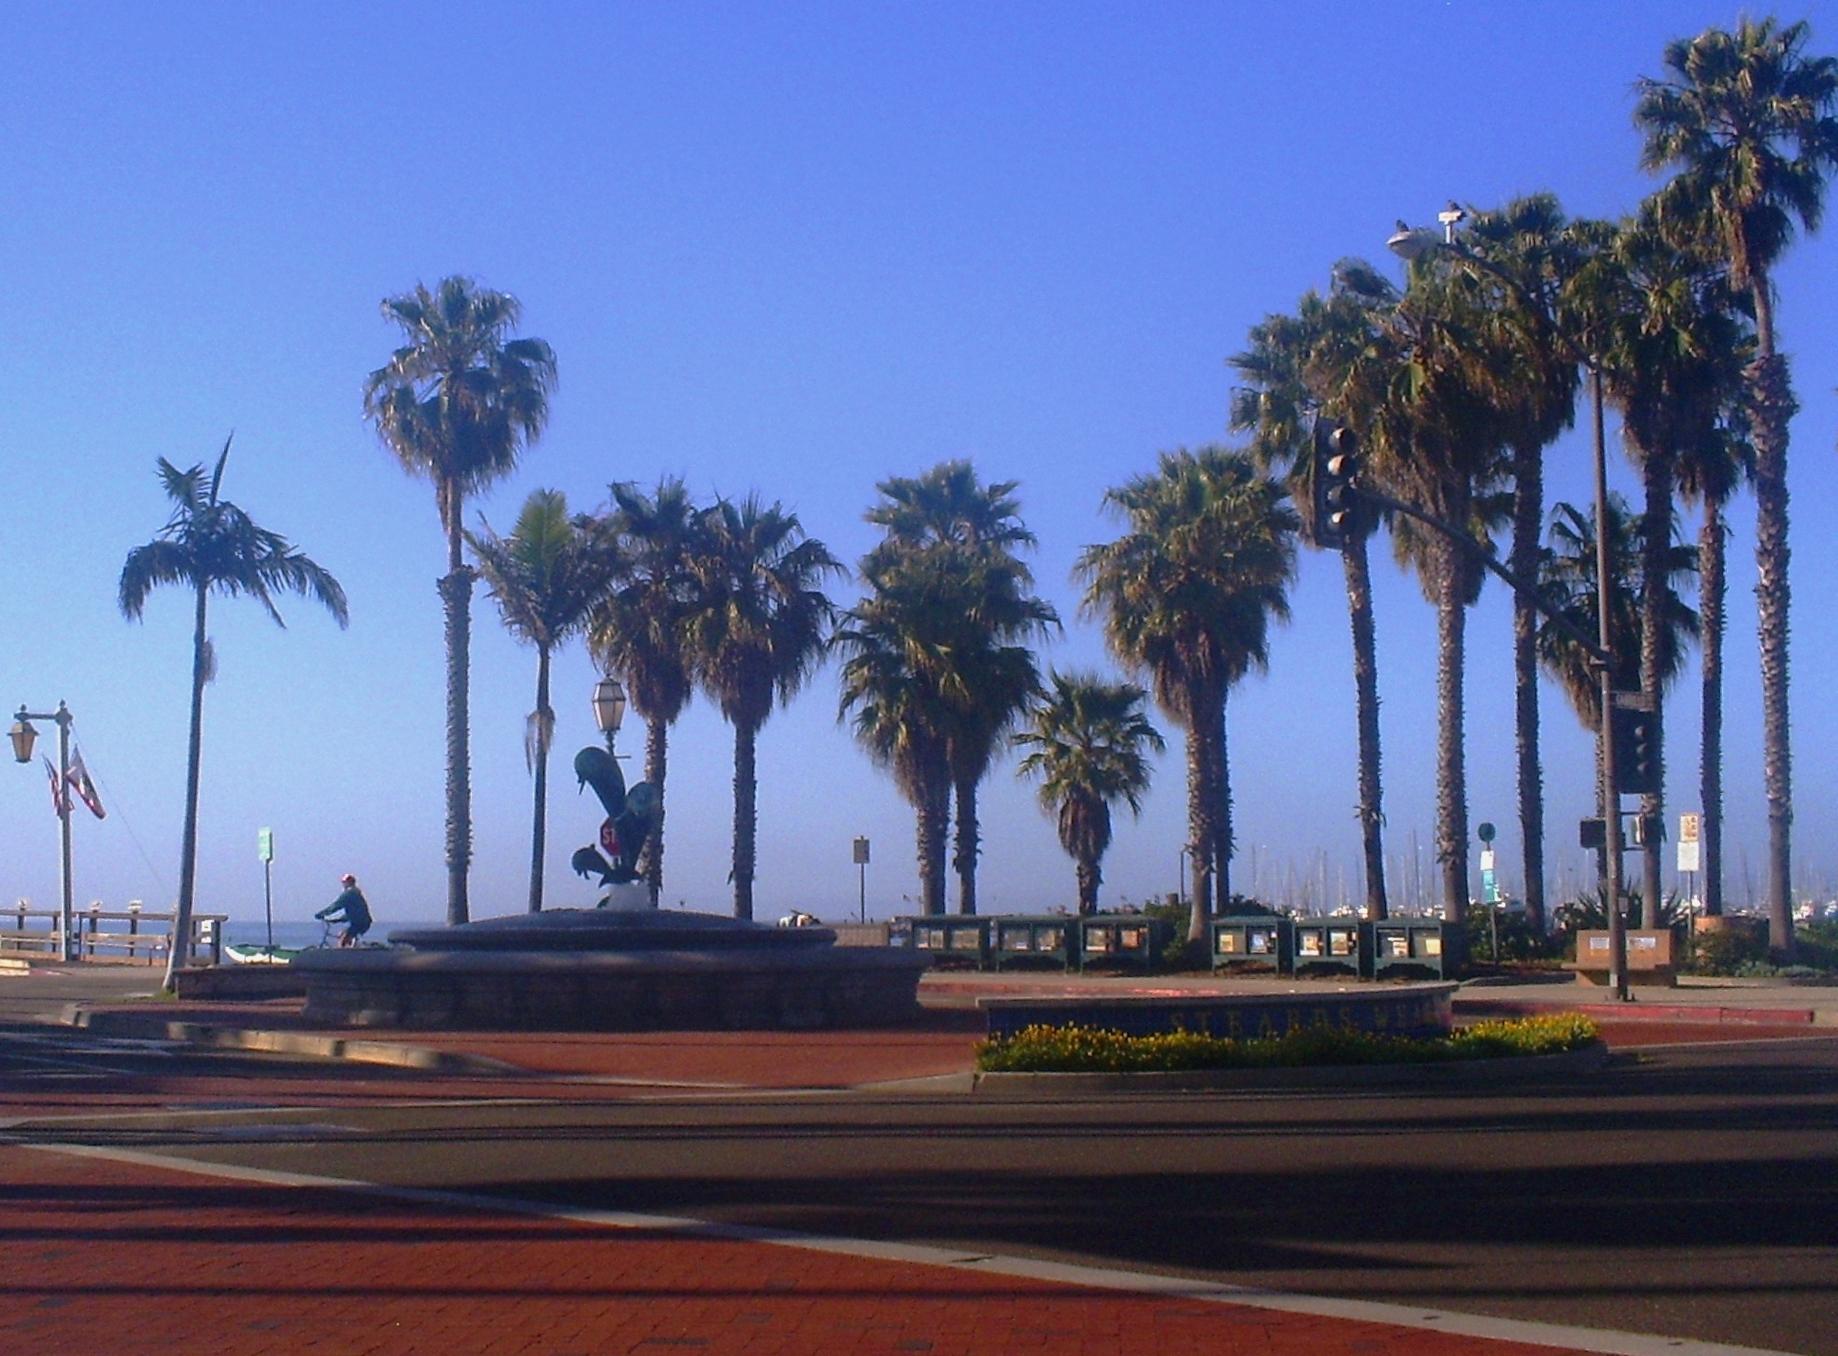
(1410, 244)
(609, 708)
(23, 737)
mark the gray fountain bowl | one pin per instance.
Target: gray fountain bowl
(611, 930)
(600, 970)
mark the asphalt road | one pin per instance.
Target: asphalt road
(1684, 1191)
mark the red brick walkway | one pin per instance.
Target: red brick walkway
(101, 1256)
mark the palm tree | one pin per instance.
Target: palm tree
(757, 627)
(1089, 743)
(1187, 595)
(1672, 343)
(1747, 120)
(547, 576)
(1435, 380)
(212, 546)
(1530, 248)
(637, 630)
(1709, 472)
(1295, 365)
(1568, 573)
(888, 685)
(457, 403)
(965, 534)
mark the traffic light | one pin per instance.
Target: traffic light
(1636, 735)
(1336, 474)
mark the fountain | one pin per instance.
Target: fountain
(622, 965)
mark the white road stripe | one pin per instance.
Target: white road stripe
(1603, 1341)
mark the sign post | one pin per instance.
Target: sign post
(1490, 886)
(264, 845)
(861, 862)
(1690, 829)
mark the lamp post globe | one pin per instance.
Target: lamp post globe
(609, 707)
(23, 736)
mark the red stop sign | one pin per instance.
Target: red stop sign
(609, 838)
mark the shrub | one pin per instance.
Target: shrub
(1078, 1049)
(1816, 945)
(1519, 941)
(1729, 952)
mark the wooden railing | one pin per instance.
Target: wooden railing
(96, 934)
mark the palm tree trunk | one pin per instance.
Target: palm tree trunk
(1365, 683)
(1712, 541)
(746, 816)
(1771, 406)
(657, 741)
(1451, 770)
(1655, 538)
(1222, 826)
(539, 824)
(456, 602)
(1528, 518)
(963, 859)
(934, 813)
(1199, 830)
(1089, 878)
(178, 954)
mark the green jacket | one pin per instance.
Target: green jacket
(351, 908)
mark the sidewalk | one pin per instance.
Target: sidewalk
(129, 1257)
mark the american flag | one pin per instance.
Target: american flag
(79, 781)
(60, 796)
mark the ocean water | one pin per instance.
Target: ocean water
(308, 932)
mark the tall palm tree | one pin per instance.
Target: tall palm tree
(1671, 344)
(1187, 595)
(1435, 381)
(1709, 473)
(757, 627)
(965, 534)
(1089, 742)
(637, 630)
(889, 645)
(1746, 118)
(457, 403)
(547, 577)
(209, 545)
(1296, 365)
(1534, 254)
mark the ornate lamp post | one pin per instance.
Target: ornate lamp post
(609, 708)
(1410, 244)
(24, 737)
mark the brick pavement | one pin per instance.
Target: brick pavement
(104, 1256)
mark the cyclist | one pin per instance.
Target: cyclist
(351, 909)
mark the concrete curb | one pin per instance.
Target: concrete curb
(390, 1054)
(1701, 1013)
(1328, 1077)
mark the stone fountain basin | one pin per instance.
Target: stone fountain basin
(593, 969)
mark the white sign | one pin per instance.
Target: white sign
(1688, 854)
(1487, 859)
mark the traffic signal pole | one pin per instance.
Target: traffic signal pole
(1605, 691)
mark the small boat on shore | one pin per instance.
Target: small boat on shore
(242, 954)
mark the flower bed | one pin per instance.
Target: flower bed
(1076, 1049)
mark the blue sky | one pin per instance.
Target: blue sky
(794, 249)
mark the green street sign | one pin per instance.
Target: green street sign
(264, 844)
